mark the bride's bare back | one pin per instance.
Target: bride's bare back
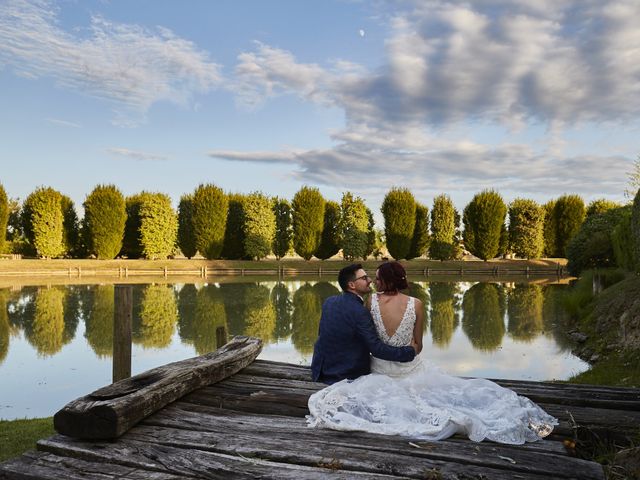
(393, 308)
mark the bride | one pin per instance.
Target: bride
(419, 400)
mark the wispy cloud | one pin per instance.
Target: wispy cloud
(129, 65)
(136, 154)
(500, 64)
(63, 123)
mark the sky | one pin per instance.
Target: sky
(533, 99)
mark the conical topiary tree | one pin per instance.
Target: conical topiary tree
(399, 212)
(420, 240)
(443, 229)
(4, 217)
(526, 228)
(259, 225)
(104, 219)
(42, 222)
(158, 226)
(210, 208)
(550, 229)
(284, 231)
(330, 241)
(308, 221)
(483, 220)
(569, 213)
(186, 237)
(234, 237)
(354, 227)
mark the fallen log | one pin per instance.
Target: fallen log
(112, 410)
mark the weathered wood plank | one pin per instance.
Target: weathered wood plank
(149, 450)
(190, 462)
(46, 466)
(112, 410)
(220, 427)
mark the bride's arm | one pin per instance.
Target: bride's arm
(417, 328)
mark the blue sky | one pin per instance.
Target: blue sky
(534, 99)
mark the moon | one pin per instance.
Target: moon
(361, 32)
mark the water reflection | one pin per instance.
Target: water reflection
(469, 324)
(483, 307)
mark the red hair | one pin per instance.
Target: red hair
(393, 276)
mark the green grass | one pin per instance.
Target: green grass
(18, 436)
(622, 370)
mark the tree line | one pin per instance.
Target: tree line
(221, 225)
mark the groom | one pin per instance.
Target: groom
(347, 335)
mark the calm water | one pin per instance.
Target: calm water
(56, 342)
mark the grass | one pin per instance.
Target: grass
(622, 370)
(18, 436)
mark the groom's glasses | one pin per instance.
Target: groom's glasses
(363, 277)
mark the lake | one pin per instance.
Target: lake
(56, 342)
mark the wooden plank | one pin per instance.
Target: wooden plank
(112, 410)
(46, 466)
(190, 462)
(284, 434)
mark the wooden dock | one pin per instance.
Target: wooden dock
(252, 425)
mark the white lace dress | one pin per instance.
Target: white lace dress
(420, 401)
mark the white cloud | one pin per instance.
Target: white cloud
(63, 123)
(136, 154)
(511, 66)
(131, 66)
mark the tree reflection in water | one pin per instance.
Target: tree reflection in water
(97, 311)
(418, 291)
(307, 307)
(444, 316)
(46, 331)
(260, 313)
(283, 306)
(483, 316)
(187, 312)
(210, 317)
(158, 316)
(4, 324)
(525, 312)
(556, 318)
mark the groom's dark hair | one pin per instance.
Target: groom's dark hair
(348, 274)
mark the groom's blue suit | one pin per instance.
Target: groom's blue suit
(346, 337)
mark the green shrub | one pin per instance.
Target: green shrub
(569, 213)
(186, 237)
(420, 240)
(443, 229)
(399, 212)
(483, 220)
(592, 245)
(158, 226)
(354, 227)
(70, 227)
(210, 208)
(550, 230)
(234, 235)
(259, 225)
(330, 241)
(4, 217)
(622, 241)
(308, 221)
(600, 205)
(132, 241)
(526, 228)
(373, 246)
(284, 232)
(104, 220)
(42, 222)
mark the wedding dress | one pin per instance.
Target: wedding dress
(421, 401)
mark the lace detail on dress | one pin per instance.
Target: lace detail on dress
(404, 332)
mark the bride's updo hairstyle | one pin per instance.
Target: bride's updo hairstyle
(393, 277)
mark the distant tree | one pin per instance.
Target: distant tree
(443, 229)
(504, 246)
(284, 232)
(132, 242)
(4, 217)
(308, 221)
(526, 228)
(330, 241)
(420, 240)
(373, 246)
(354, 227)
(634, 179)
(592, 245)
(550, 230)
(158, 226)
(234, 235)
(186, 237)
(42, 222)
(259, 226)
(14, 220)
(622, 242)
(210, 208)
(569, 212)
(399, 212)
(635, 229)
(105, 216)
(483, 220)
(71, 227)
(600, 205)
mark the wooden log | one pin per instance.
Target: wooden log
(110, 411)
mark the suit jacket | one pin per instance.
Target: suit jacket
(346, 337)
